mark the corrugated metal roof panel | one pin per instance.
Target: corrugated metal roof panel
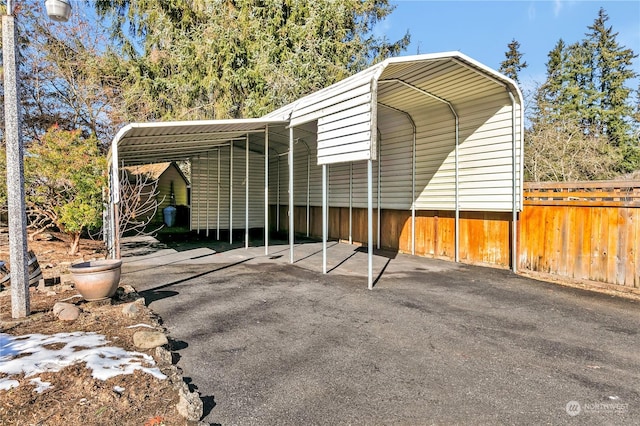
(166, 141)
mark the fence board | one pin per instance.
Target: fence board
(584, 230)
(594, 237)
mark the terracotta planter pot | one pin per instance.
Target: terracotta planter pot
(96, 279)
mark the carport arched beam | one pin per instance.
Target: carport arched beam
(413, 175)
(457, 123)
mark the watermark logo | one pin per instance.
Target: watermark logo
(573, 408)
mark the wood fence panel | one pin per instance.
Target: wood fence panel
(334, 223)
(584, 230)
(395, 232)
(446, 235)
(587, 230)
(426, 233)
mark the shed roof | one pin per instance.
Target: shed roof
(155, 170)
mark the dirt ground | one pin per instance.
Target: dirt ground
(76, 398)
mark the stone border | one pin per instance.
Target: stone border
(190, 405)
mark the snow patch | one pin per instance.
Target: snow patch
(140, 325)
(7, 383)
(40, 385)
(31, 355)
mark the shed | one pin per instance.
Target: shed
(173, 185)
(422, 154)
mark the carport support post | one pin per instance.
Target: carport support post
(291, 208)
(208, 192)
(457, 184)
(325, 227)
(231, 194)
(266, 190)
(218, 200)
(199, 197)
(378, 231)
(246, 194)
(370, 221)
(351, 203)
(308, 187)
(278, 197)
(514, 213)
(413, 192)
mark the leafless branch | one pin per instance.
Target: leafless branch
(138, 203)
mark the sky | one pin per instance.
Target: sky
(482, 29)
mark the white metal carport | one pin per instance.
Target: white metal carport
(140, 143)
(454, 123)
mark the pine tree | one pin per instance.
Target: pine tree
(611, 71)
(224, 59)
(550, 94)
(586, 90)
(513, 64)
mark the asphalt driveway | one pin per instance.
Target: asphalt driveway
(435, 342)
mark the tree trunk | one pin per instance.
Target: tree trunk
(75, 243)
(32, 236)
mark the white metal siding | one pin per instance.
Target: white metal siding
(344, 114)
(396, 153)
(484, 163)
(485, 155)
(435, 158)
(205, 189)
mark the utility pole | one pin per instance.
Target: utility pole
(58, 10)
(20, 304)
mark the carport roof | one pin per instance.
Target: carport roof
(445, 76)
(141, 143)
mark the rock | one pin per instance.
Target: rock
(131, 310)
(65, 287)
(140, 301)
(163, 356)
(190, 405)
(66, 278)
(127, 289)
(149, 339)
(126, 292)
(175, 376)
(43, 237)
(61, 306)
(69, 314)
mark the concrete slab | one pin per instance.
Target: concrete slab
(435, 342)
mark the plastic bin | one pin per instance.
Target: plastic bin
(169, 213)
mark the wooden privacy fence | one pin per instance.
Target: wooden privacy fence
(582, 230)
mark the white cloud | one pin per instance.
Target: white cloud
(560, 5)
(557, 8)
(532, 11)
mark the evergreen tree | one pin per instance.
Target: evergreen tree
(550, 93)
(224, 59)
(611, 71)
(586, 90)
(512, 65)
